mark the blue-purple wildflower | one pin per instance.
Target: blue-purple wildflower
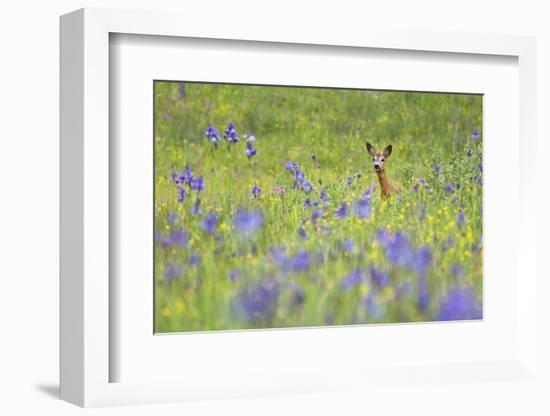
(212, 134)
(182, 194)
(197, 184)
(250, 151)
(172, 271)
(246, 222)
(353, 279)
(459, 304)
(259, 303)
(342, 211)
(210, 223)
(256, 191)
(231, 133)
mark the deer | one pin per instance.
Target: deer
(387, 188)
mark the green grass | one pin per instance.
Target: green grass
(293, 124)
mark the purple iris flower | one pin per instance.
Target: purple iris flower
(279, 256)
(363, 208)
(177, 238)
(210, 223)
(247, 222)
(172, 271)
(347, 246)
(475, 135)
(212, 134)
(197, 184)
(459, 304)
(353, 279)
(397, 247)
(342, 211)
(379, 277)
(291, 165)
(423, 294)
(299, 178)
(195, 259)
(316, 215)
(307, 186)
(255, 191)
(250, 151)
(349, 180)
(422, 261)
(172, 217)
(460, 218)
(182, 194)
(231, 133)
(437, 169)
(259, 303)
(251, 138)
(449, 188)
(185, 176)
(323, 196)
(299, 263)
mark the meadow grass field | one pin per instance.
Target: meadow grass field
(268, 211)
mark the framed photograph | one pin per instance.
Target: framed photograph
(299, 221)
(261, 214)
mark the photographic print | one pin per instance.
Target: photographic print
(282, 206)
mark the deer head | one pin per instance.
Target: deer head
(378, 158)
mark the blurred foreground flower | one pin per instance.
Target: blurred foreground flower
(459, 304)
(246, 222)
(177, 238)
(259, 303)
(172, 271)
(353, 279)
(210, 223)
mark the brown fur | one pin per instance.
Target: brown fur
(387, 188)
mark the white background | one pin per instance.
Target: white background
(137, 61)
(29, 202)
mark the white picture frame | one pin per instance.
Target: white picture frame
(86, 355)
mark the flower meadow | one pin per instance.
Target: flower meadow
(268, 212)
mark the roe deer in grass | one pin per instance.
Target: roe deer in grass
(379, 159)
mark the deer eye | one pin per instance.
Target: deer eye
(382, 160)
(373, 159)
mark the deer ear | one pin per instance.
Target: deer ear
(387, 151)
(370, 148)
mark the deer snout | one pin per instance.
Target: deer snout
(377, 166)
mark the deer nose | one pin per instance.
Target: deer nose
(376, 166)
